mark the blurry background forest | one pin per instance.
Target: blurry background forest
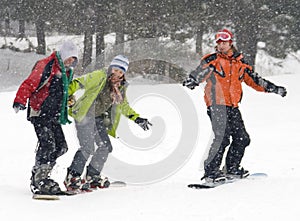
(275, 23)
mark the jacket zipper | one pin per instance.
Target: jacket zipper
(230, 75)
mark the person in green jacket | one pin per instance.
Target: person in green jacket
(97, 113)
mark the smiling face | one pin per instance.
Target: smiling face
(117, 76)
(224, 46)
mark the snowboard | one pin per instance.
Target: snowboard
(37, 196)
(206, 185)
(117, 184)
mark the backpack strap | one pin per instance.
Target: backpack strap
(46, 75)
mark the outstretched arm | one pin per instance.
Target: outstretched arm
(260, 84)
(132, 115)
(128, 111)
(201, 73)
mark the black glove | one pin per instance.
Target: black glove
(143, 123)
(190, 82)
(18, 106)
(281, 91)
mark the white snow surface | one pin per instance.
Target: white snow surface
(272, 122)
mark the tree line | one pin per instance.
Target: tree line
(276, 23)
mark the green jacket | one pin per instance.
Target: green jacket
(93, 83)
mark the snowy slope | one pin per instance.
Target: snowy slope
(159, 163)
(272, 122)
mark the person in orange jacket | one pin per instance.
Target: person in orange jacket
(224, 71)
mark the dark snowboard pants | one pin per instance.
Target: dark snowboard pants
(91, 130)
(51, 141)
(226, 122)
(51, 144)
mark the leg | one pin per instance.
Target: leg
(221, 129)
(240, 140)
(104, 148)
(85, 134)
(46, 140)
(61, 146)
(45, 158)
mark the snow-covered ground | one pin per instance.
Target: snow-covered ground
(272, 122)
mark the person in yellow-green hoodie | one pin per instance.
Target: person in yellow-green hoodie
(97, 113)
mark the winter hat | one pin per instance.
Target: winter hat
(68, 49)
(224, 35)
(120, 62)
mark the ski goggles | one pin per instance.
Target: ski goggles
(223, 36)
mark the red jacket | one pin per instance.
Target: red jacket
(224, 75)
(38, 86)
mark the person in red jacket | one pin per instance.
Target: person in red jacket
(46, 90)
(224, 72)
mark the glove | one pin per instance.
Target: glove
(143, 123)
(18, 106)
(190, 82)
(281, 91)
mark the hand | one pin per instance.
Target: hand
(143, 123)
(18, 106)
(71, 101)
(281, 91)
(190, 82)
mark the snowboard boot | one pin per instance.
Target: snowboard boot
(97, 181)
(41, 183)
(73, 182)
(214, 177)
(235, 172)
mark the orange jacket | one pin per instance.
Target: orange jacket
(224, 75)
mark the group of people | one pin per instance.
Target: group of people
(50, 90)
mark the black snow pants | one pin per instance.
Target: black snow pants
(226, 122)
(51, 141)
